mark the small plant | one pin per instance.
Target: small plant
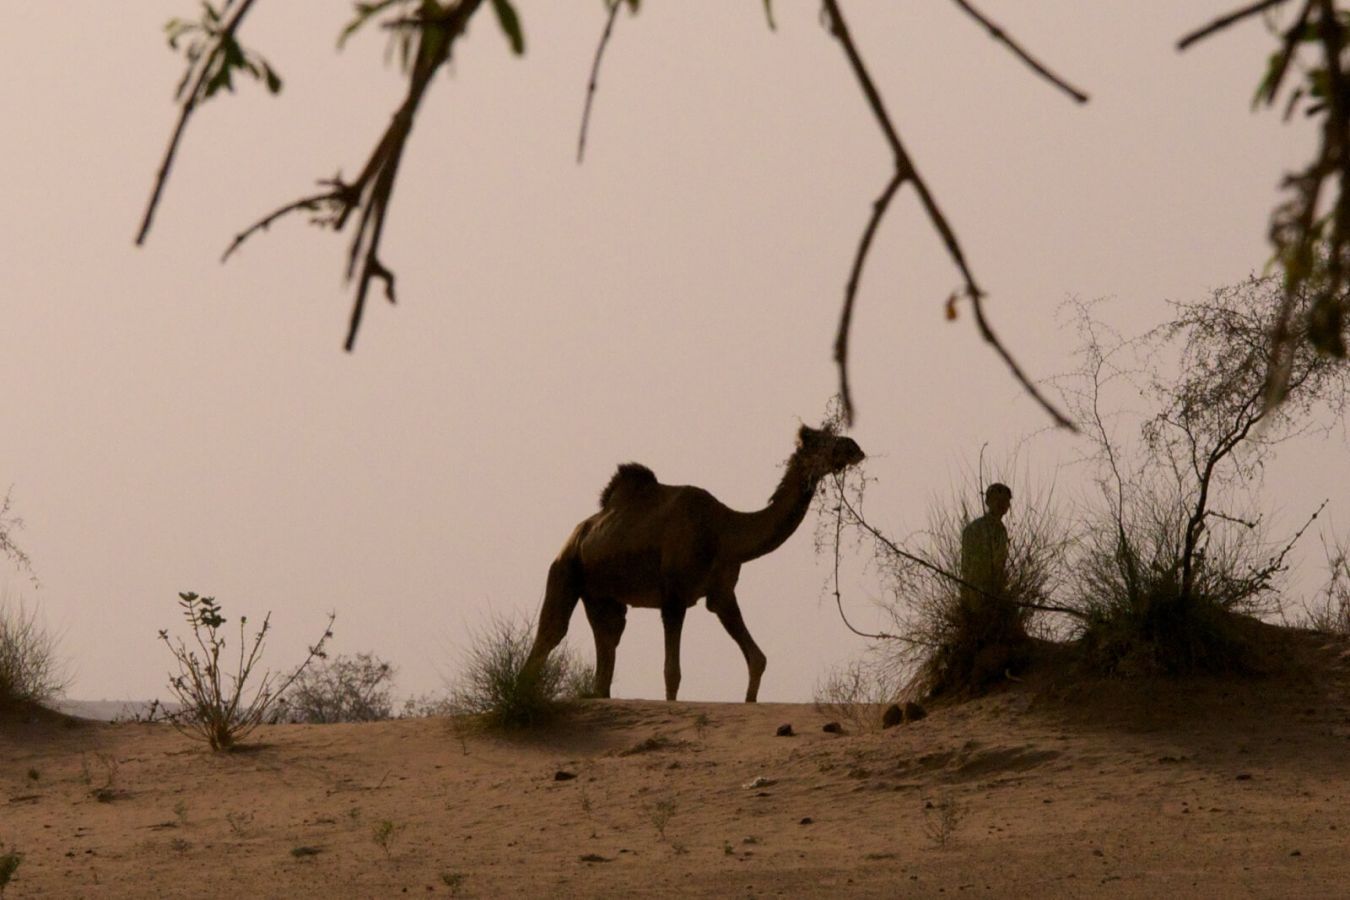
(727, 849)
(660, 813)
(701, 723)
(941, 818)
(342, 689)
(29, 669)
(34, 775)
(9, 864)
(240, 822)
(384, 833)
(180, 845)
(214, 705)
(101, 783)
(180, 811)
(454, 881)
(857, 692)
(492, 686)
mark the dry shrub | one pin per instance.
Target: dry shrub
(30, 671)
(957, 641)
(492, 687)
(342, 689)
(857, 692)
(1330, 611)
(1127, 583)
(214, 705)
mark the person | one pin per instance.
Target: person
(984, 549)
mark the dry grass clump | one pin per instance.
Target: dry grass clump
(30, 671)
(493, 688)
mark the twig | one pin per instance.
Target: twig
(189, 105)
(1002, 37)
(1225, 21)
(905, 171)
(595, 76)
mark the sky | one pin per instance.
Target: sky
(173, 424)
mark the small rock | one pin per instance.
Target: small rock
(913, 712)
(759, 782)
(892, 717)
(562, 775)
(832, 728)
(1244, 776)
(1297, 853)
(596, 857)
(785, 730)
(807, 820)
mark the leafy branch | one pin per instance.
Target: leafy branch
(1309, 231)
(214, 55)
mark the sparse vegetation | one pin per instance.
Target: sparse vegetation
(1329, 611)
(30, 671)
(659, 813)
(941, 818)
(1152, 574)
(857, 692)
(384, 833)
(454, 881)
(100, 776)
(216, 706)
(342, 689)
(10, 859)
(493, 688)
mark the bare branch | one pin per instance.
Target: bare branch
(905, 171)
(1002, 37)
(1225, 21)
(595, 76)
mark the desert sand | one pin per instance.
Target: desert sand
(1054, 786)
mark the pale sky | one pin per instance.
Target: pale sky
(172, 424)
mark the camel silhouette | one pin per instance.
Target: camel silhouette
(662, 546)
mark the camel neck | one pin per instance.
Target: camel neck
(753, 534)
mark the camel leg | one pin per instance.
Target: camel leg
(607, 618)
(729, 612)
(672, 617)
(560, 600)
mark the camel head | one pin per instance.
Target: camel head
(825, 452)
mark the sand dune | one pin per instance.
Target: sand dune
(1047, 788)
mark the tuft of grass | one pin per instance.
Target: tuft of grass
(9, 864)
(660, 813)
(384, 833)
(856, 693)
(30, 671)
(493, 688)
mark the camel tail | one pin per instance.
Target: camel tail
(629, 478)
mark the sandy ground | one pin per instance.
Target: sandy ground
(1223, 788)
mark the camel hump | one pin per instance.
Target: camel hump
(629, 477)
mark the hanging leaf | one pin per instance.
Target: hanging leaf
(510, 22)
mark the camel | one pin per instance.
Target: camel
(661, 546)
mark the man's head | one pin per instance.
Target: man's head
(997, 498)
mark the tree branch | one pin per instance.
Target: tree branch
(905, 171)
(1225, 21)
(1002, 37)
(595, 76)
(189, 105)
